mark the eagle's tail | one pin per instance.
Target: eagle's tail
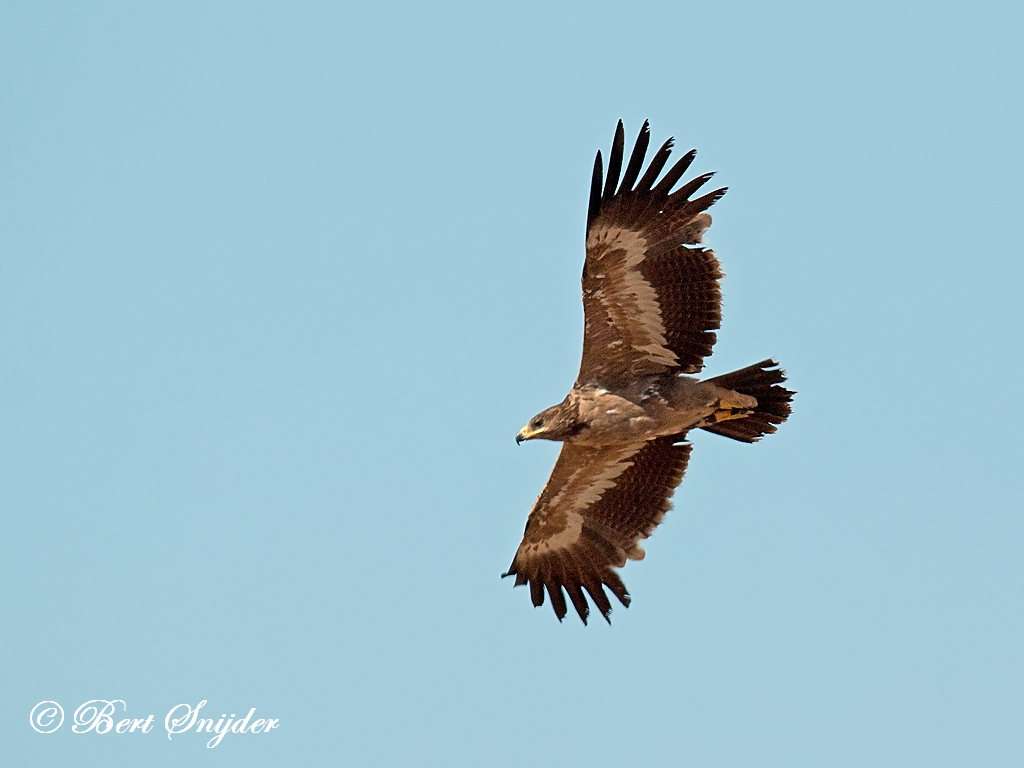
(762, 381)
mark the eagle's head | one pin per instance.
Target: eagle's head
(558, 422)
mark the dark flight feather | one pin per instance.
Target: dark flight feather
(615, 161)
(595, 191)
(657, 163)
(684, 192)
(675, 173)
(636, 159)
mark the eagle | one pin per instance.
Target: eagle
(651, 303)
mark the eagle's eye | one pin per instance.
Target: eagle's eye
(538, 423)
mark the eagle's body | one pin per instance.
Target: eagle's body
(650, 407)
(652, 303)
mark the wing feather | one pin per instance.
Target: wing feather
(595, 191)
(684, 192)
(615, 162)
(597, 505)
(675, 173)
(650, 293)
(636, 159)
(536, 591)
(657, 163)
(579, 601)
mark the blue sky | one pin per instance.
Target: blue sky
(278, 285)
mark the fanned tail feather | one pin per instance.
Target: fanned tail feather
(764, 381)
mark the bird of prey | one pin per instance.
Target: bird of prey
(651, 303)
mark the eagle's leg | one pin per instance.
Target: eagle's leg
(725, 414)
(732, 405)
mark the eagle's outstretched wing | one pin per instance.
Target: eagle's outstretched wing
(650, 294)
(597, 505)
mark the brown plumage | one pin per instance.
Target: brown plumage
(652, 304)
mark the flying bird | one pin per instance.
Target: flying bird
(651, 304)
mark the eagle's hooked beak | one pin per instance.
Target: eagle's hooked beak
(525, 434)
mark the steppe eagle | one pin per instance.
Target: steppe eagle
(651, 305)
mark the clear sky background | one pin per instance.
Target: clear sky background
(280, 283)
